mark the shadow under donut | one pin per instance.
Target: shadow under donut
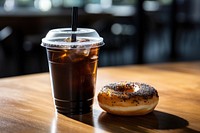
(154, 120)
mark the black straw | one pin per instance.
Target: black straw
(74, 22)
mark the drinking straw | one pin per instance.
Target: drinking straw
(74, 22)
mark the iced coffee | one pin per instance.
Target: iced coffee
(73, 69)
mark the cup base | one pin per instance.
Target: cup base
(73, 108)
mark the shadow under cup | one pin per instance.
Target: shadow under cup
(73, 78)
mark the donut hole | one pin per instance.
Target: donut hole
(126, 87)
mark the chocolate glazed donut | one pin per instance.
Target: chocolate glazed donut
(128, 98)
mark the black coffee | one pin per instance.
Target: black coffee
(73, 76)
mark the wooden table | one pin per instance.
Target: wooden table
(26, 103)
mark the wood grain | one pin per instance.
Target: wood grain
(26, 103)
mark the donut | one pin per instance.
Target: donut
(128, 98)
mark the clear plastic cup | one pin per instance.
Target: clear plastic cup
(73, 68)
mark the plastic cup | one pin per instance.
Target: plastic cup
(73, 68)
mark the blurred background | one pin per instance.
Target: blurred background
(135, 31)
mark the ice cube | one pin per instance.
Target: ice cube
(76, 55)
(94, 57)
(83, 51)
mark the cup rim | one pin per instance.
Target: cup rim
(56, 44)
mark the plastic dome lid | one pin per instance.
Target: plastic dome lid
(57, 39)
